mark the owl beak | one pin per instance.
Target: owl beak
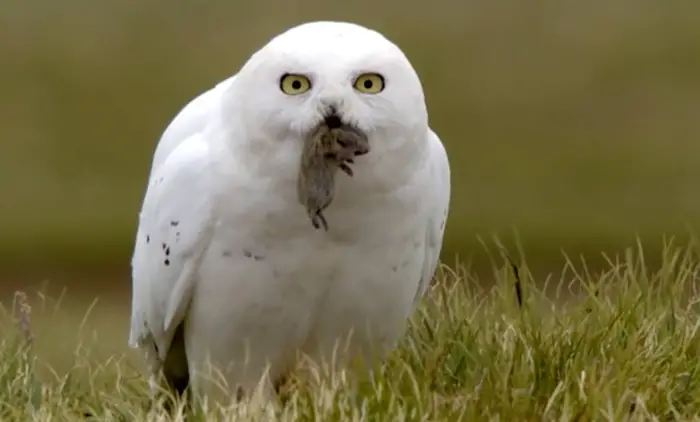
(333, 121)
(331, 117)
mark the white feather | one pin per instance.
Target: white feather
(437, 217)
(174, 230)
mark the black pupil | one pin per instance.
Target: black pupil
(296, 84)
(368, 84)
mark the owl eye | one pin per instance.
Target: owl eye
(294, 84)
(369, 83)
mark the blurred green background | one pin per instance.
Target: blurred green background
(574, 123)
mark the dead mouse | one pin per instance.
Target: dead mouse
(326, 151)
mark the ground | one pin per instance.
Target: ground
(620, 344)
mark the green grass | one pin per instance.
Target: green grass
(620, 344)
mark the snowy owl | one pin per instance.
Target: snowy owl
(229, 274)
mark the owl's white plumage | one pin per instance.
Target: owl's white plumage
(227, 268)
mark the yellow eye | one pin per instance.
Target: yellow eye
(294, 84)
(369, 83)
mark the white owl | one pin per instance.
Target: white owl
(229, 273)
